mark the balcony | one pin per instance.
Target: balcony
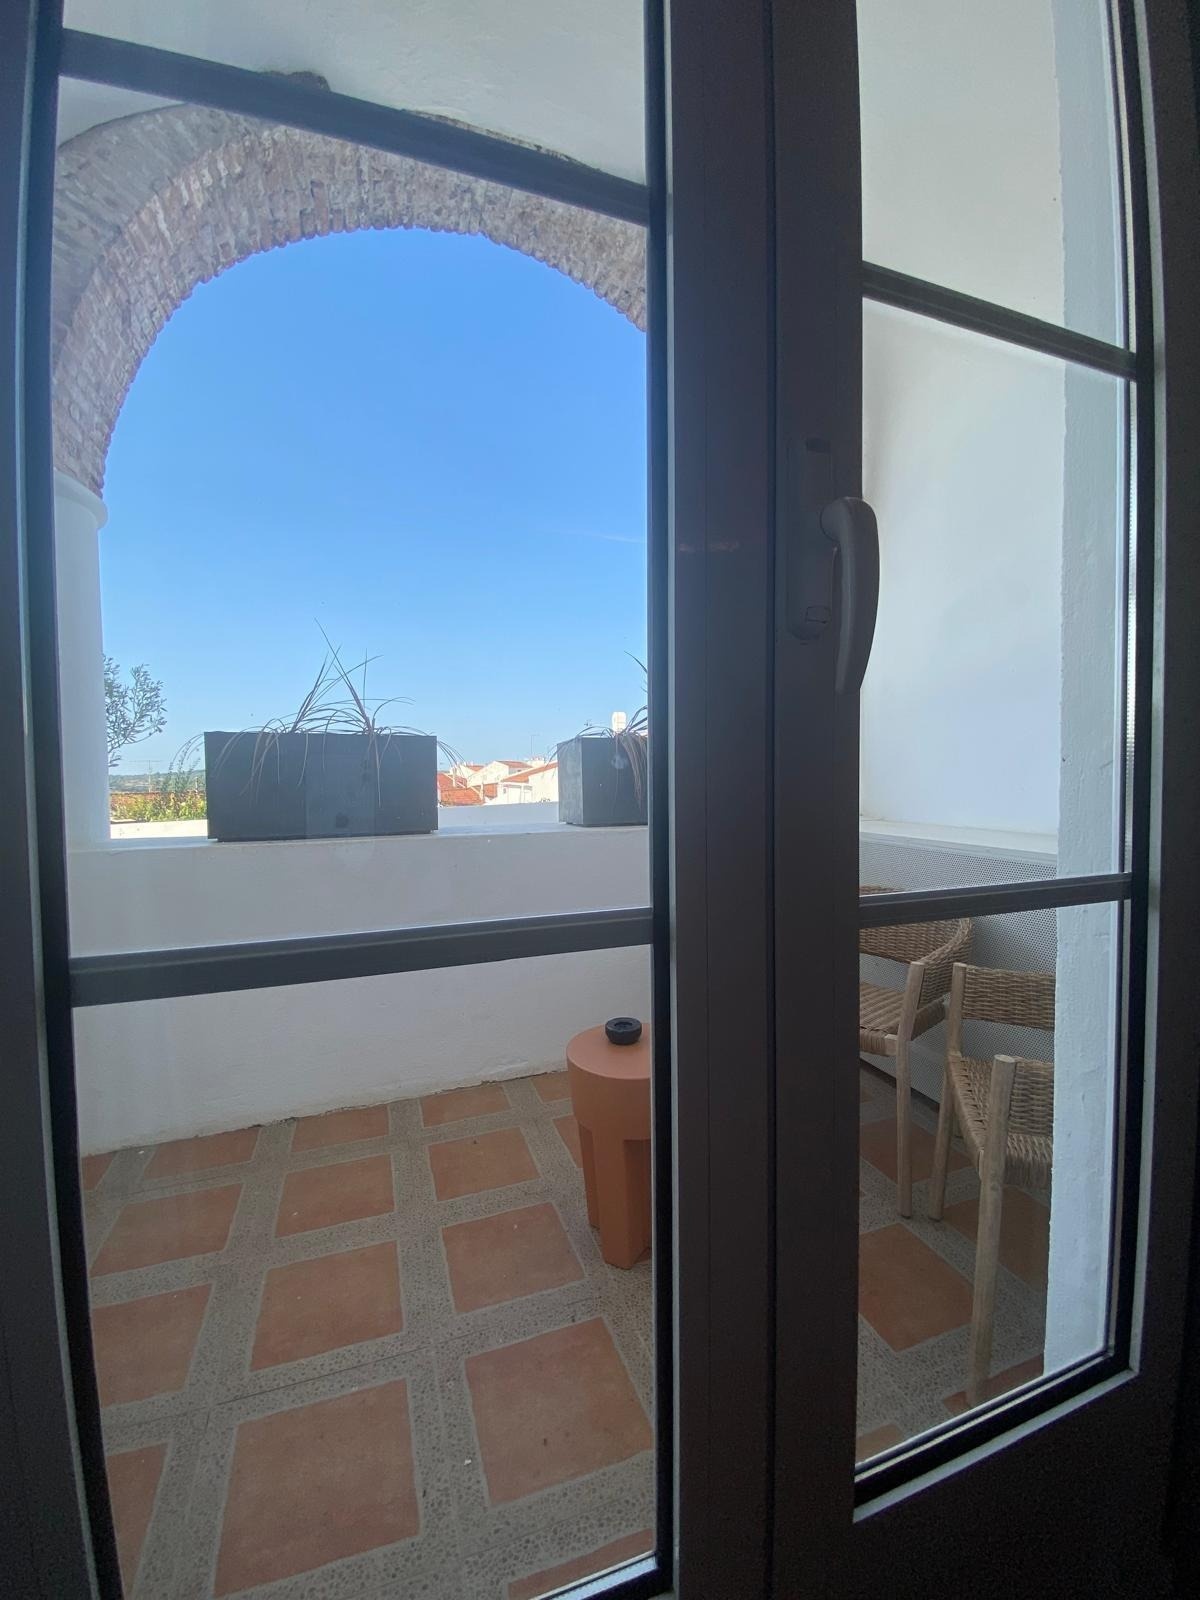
(350, 1318)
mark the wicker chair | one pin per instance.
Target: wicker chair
(890, 1019)
(1005, 1112)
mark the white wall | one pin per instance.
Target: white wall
(963, 462)
(963, 437)
(960, 146)
(170, 1068)
(160, 895)
(165, 1069)
(1092, 732)
(78, 517)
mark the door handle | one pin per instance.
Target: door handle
(851, 526)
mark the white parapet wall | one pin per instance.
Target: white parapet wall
(172, 1068)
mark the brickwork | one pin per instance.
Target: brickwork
(148, 206)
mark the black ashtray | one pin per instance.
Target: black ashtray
(623, 1030)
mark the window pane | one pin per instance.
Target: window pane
(315, 506)
(393, 439)
(565, 75)
(991, 709)
(989, 153)
(1043, 1243)
(352, 1323)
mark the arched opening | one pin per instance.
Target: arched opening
(149, 206)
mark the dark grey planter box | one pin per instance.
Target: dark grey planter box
(320, 785)
(597, 785)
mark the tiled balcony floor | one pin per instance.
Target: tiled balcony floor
(914, 1282)
(378, 1352)
(370, 1352)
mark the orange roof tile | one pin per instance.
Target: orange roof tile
(452, 791)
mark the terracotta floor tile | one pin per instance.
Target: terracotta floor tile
(145, 1347)
(339, 1127)
(1024, 1233)
(906, 1292)
(568, 1130)
(93, 1168)
(455, 1105)
(998, 1383)
(508, 1255)
(877, 1144)
(316, 1484)
(181, 1157)
(553, 1407)
(168, 1228)
(552, 1085)
(327, 1303)
(133, 1477)
(487, 1161)
(321, 1197)
(613, 1554)
(877, 1441)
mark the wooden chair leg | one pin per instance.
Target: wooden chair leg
(913, 985)
(941, 1150)
(903, 1132)
(987, 1239)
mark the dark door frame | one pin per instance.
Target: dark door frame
(57, 1535)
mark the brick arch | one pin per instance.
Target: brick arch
(148, 206)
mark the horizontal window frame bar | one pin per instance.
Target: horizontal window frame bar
(122, 64)
(130, 976)
(887, 287)
(145, 69)
(332, 958)
(948, 1442)
(897, 906)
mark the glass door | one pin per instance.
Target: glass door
(361, 1076)
(961, 1072)
(382, 1261)
(811, 356)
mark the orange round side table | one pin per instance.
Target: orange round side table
(610, 1095)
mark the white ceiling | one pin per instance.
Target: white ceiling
(563, 74)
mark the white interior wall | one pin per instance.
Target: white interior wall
(960, 146)
(963, 463)
(962, 436)
(1092, 733)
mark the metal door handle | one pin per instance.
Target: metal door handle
(850, 524)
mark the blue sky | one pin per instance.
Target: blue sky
(430, 445)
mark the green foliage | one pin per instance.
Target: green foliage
(134, 710)
(179, 797)
(159, 807)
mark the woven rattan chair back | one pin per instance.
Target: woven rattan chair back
(890, 1018)
(1014, 999)
(937, 944)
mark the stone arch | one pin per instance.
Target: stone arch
(148, 206)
